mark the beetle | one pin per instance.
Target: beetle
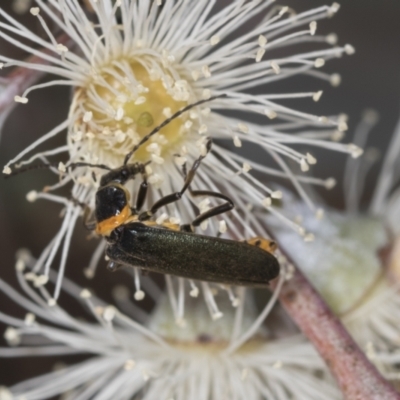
(134, 239)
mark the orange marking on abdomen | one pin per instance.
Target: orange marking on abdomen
(265, 244)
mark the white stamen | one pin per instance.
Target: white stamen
(157, 159)
(140, 100)
(355, 150)
(154, 148)
(343, 126)
(61, 167)
(195, 75)
(260, 54)
(275, 67)
(323, 119)
(332, 39)
(87, 117)
(180, 160)
(283, 10)
(109, 313)
(236, 141)
(29, 320)
(335, 80)
(204, 205)
(130, 364)
(317, 95)
(337, 136)
(35, 11)
(319, 214)
(188, 124)
(167, 112)
(243, 128)
(206, 71)
(20, 265)
(139, 295)
(244, 374)
(12, 336)
(313, 27)
(51, 302)
(349, 49)
(85, 294)
(334, 7)
(270, 114)
(203, 129)
(32, 196)
(214, 40)
(119, 114)
(61, 49)
(162, 218)
(267, 202)
(262, 40)
(309, 237)
(175, 220)
(303, 165)
(217, 315)
(277, 194)
(319, 62)
(22, 100)
(206, 94)
(311, 159)
(246, 167)
(40, 280)
(330, 183)
(222, 226)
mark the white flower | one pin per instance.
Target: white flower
(149, 356)
(139, 62)
(353, 258)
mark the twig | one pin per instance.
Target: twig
(356, 376)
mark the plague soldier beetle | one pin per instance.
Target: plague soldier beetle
(135, 239)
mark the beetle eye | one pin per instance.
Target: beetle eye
(110, 201)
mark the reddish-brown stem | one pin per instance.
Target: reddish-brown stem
(356, 376)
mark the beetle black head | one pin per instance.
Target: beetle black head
(110, 201)
(122, 174)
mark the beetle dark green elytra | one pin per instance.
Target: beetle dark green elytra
(189, 255)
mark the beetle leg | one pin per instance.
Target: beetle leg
(222, 208)
(189, 176)
(87, 212)
(141, 197)
(87, 223)
(171, 198)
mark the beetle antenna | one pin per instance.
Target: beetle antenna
(55, 165)
(85, 164)
(167, 121)
(30, 168)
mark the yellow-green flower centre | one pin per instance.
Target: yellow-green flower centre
(120, 106)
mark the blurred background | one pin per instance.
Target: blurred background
(370, 79)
